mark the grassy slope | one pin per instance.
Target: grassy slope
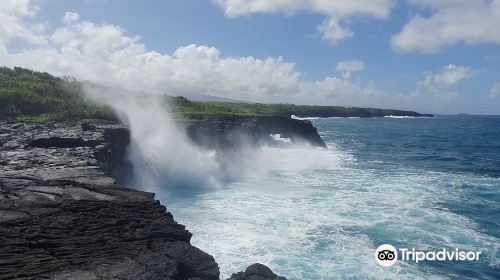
(192, 108)
(36, 96)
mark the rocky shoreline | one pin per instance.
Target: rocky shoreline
(64, 216)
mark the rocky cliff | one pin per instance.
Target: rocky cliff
(63, 216)
(226, 132)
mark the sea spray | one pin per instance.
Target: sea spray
(268, 160)
(167, 162)
(369, 190)
(162, 155)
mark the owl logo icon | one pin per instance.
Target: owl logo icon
(386, 255)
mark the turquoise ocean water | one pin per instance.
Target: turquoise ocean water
(428, 183)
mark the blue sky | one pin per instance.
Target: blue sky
(437, 65)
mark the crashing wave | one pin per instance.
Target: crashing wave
(303, 118)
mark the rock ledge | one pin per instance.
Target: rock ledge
(63, 216)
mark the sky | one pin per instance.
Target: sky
(431, 56)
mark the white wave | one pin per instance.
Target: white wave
(400, 117)
(326, 224)
(304, 118)
(316, 118)
(301, 158)
(277, 137)
(258, 164)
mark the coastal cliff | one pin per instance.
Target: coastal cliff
(226, 132)
(64, 216)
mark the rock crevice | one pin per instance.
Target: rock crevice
(63, 216)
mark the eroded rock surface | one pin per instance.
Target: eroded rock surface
(226, 132)
(61, 217)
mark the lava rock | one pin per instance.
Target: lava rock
(63, 217)
(256, 271)
(232, 132)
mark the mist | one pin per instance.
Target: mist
(163, 157)
(167, 162)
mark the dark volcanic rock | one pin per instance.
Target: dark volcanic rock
(232, 137)
(226, 132)
(61, 217)
(256, 271)
(61, 142)
(297, 130)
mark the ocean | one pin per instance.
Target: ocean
(423, 183)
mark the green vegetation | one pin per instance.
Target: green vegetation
(34, 96)
(28, 95)
(194, 108)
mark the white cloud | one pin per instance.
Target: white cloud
(106, 54)
(349, 66)
(451, 22)
(13, 24)
(334, 90)
(495, 91)
(333, 28)
(436, 90)
(333, 32)
(70, 17)
(447, 78)
(376, 8)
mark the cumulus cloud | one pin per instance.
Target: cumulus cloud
(450, 22)
(105, 53)
(438, 88)
(436, 92)
(349, 66)
(70, 17)
(449, 76)
(333, 32)
(14, 26)
(333, 28)
(495, 91)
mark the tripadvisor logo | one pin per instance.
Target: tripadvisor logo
(386, 255)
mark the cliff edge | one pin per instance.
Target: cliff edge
(63, 216)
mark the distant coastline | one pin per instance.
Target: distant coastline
(28, 95)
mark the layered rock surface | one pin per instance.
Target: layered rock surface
(63, 216)
(226, 132)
